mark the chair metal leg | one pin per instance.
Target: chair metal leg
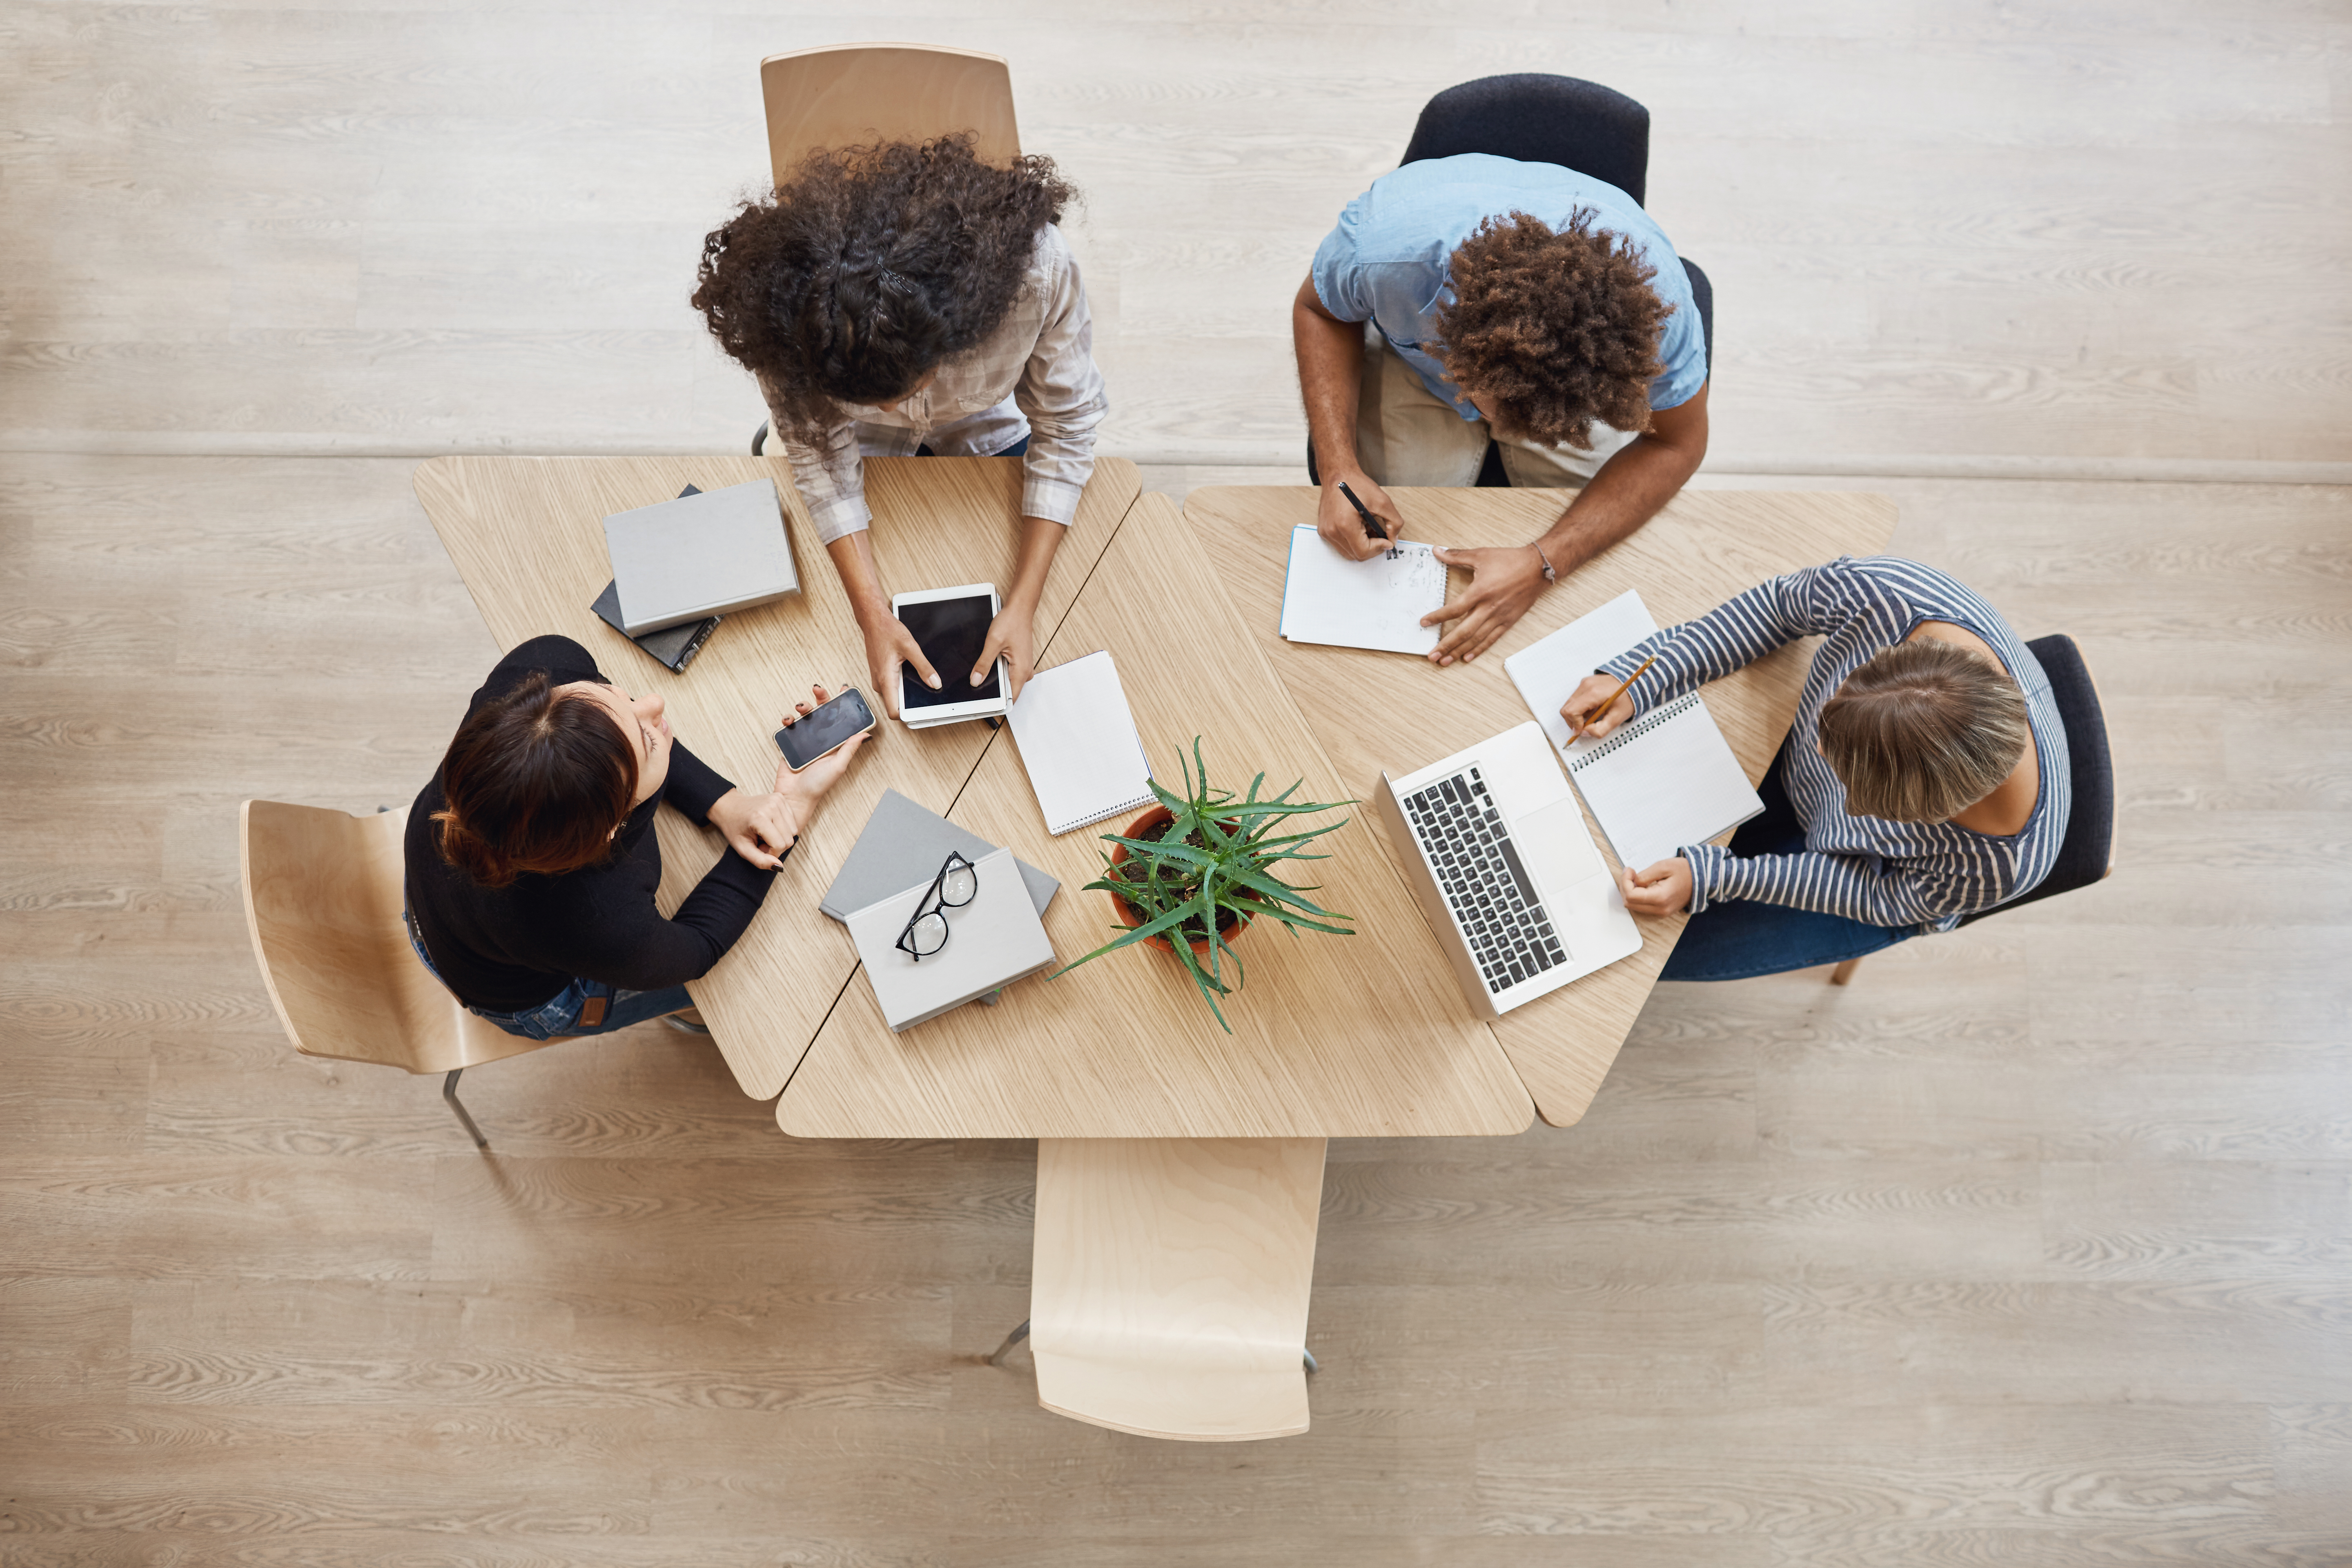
(1014, 1337)
(1313, 1366)
(760, 440)
(1844, 973)
(449, 1093)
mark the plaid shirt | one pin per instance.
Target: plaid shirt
(1034, 377)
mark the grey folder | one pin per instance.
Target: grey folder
(992, 941)
(706, 554)
(903, 845)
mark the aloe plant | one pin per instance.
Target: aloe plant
(1216, 858)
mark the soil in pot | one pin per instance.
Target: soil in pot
(1150, 826)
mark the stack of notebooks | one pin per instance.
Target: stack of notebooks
(679, 566)
(992, 941)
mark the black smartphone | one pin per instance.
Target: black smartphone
(829, 726)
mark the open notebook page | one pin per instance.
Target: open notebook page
(1665, 780)
(1376, 604)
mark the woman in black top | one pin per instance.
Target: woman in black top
(532, 861)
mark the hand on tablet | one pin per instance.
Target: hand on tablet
(1012, 636)
(888, 644)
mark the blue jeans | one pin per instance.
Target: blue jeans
(560, 1014)
(1018, 450)
(1743, 939)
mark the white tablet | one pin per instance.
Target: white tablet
(950, 626)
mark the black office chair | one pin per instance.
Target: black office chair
(2087, 855)
(1541, 119)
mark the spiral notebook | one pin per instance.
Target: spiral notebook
(1376, 604)
(1665, 780)
(1079, 744)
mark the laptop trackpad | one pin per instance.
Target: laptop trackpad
(1556, 846)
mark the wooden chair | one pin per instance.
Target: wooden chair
(1169, 1293)
(322, 898)
(849, 95)
(2087, 855)
(853, 94)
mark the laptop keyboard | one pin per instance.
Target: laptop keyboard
(1479, 873)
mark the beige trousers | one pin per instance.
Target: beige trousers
(1406, 437)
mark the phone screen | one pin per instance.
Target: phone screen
(827, 726)
(951, 632)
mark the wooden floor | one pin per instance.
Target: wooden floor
(2034, 1248)
(1962, 230)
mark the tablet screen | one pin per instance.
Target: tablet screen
(951, 632)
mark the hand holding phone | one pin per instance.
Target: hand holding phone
(814, 732)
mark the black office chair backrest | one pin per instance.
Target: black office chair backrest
(1541, 119)
(2088, 848)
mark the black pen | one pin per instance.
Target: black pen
(1373, 529)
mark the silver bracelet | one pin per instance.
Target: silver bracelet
(1550, 575)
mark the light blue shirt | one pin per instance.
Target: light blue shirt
(1386, 261)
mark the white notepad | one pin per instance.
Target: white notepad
(1376, 604)
(1079, 744)
(1664, 780)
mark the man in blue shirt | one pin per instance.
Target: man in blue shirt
(1521, 302)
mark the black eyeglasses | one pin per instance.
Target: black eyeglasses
(927, 928)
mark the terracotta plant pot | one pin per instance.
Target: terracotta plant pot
(1131, 917)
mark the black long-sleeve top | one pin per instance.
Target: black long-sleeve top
(507, 950)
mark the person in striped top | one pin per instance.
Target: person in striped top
(1925, 778)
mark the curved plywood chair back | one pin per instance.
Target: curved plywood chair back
(1170, 1281)
(322, 899)
(856, 94)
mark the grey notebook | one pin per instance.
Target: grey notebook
(699, 555)
(992, 941)
(903, 845)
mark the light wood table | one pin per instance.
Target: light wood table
(1331, 1036)
(1371, 712)
(528, 536)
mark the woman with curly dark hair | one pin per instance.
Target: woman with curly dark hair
(1520, 305)
(911, 299)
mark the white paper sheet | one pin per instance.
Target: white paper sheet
(1079, 746)
(1547, 671)
(1665, 780)
(1376, 604)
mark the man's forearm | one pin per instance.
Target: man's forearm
(1330, 369)
(1626, 493)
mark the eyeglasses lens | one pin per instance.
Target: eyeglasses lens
(958, 885)
(929, 934)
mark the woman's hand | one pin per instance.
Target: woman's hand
(762, 827)
(1590, 691)
(1012, 635)
(1662, 890)
(1503, 582)
(888, 644)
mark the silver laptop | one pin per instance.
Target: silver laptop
(1496, 851)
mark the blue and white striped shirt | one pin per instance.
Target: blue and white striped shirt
(1865, 868)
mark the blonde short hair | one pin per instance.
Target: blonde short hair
(1923, 731)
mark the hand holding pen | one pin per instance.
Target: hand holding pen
(1355, 517)
(1592, 707)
